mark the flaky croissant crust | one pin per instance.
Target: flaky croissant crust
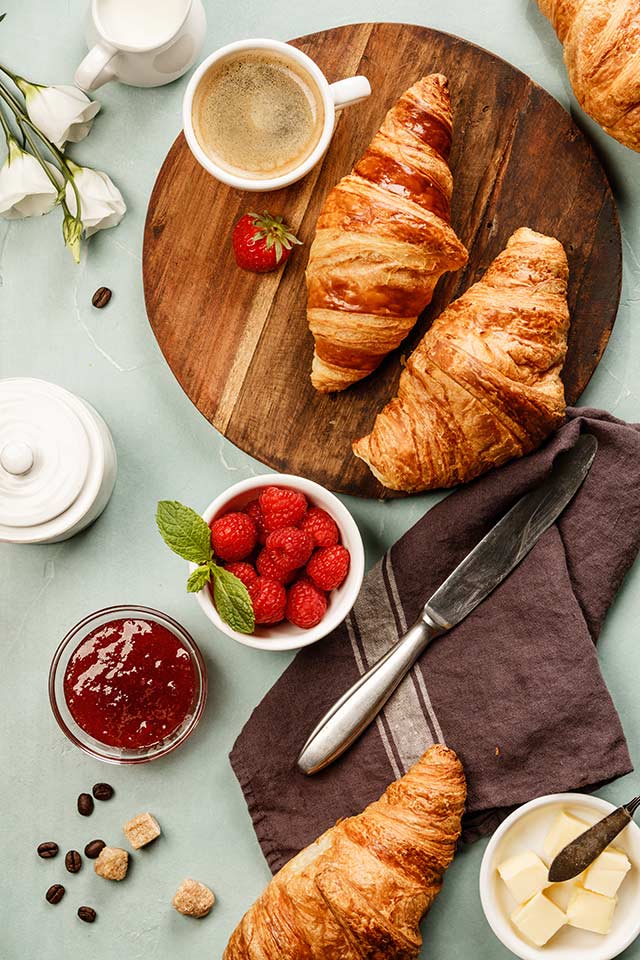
(361, 889)
(601, 40)
(383, 239)
(483, 385)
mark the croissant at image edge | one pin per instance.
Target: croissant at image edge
(383, 240)
(601, 40)
(362, 888)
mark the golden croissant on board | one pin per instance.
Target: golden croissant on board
(361, 889)
(483, 385)
(383, 240)
(601, 40)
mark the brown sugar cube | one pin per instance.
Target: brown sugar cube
(193, 899)
(112, 863)
(141, 830)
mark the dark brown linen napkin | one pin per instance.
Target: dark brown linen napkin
(515, 689)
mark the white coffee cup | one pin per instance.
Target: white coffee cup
(335, 96)
(144, 43)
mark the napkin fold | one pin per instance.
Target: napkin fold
(515, 689)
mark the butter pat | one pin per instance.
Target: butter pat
(524, 874)
(565, 828)
(591, 911)
(539, 920)
(607, 872)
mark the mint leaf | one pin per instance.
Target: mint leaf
(199, 578)
(232, 600)
(184, 531)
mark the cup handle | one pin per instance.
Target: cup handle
(347, 92)
(94, 69)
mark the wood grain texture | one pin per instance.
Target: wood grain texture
(239, 344)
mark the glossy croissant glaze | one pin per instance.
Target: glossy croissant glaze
(601, 40)
(383, 239)
(483, 385)
(361, 889)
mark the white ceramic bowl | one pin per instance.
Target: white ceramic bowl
(525, 829)
(286, 636)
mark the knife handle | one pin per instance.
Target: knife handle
(355, 710)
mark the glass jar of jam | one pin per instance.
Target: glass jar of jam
(127, 684)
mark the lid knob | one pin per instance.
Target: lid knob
(16, 458)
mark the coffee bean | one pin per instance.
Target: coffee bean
(73, 861)
(85, 804)
(101, 297)
(48, 850)
(92, 849)
(102, 791)
(55, 893)
(87, 914)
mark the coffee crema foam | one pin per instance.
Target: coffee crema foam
(257, 115)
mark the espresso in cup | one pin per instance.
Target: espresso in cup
(257, 115)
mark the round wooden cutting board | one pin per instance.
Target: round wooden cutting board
(238, 343)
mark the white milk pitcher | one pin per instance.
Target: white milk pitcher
(144, 43)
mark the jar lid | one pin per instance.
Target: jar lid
(45, 451)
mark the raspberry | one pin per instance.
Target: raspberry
(269, 599)
(306, 605)
(243, 571)
(254, 511)
(233, 536)
(292, 545)
(274, 566)
(322, 528)
(329, 566)
(282, 507)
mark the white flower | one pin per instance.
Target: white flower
(101, 203)
(25, 188)
(61, 112)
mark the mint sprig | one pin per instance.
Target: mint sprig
(187, 534)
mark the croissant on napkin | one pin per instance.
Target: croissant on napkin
(483, 385)
(383, 240)
(601, 40)
(361, 889)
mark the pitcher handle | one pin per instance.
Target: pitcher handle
(95, 69)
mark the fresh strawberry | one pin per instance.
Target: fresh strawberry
(269, 599)
(294, 546)
(329, 566)
(322, 528)
(306, 605)
(243, 571)
(282, 507)
(274, 566)
(261, 242)
(254, 511)
(233, 536)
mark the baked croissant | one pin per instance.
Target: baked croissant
(601, 40)
(483, 385)
(361, 889)
(383, 240)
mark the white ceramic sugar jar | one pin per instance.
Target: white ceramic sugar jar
(57, 462)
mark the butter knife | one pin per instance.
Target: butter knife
(502, 549)
(581, 852)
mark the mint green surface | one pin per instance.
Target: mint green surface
(166, 449)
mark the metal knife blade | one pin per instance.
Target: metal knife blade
(581, 852)
(474, 579)
(510, 540)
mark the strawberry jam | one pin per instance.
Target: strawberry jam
(130, 683)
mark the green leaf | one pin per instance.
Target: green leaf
(199, 578)
(2, 16)
(184, 531)
(232, 600)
